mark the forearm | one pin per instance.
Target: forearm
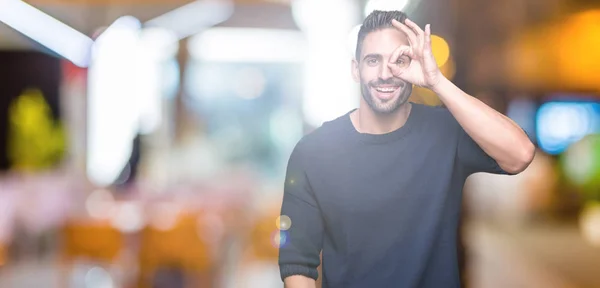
(496, 134)
(299, 281)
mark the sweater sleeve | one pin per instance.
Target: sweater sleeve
(473, 158)
(301, 243)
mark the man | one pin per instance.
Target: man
(378, 190)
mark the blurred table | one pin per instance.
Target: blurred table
(537, 255)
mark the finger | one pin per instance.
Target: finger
(410, 34)
(396, 71)
(393, 61)
(404, 28)
(427, 49)
(413, 26)
(428, 36)
(400, 73)
(417, 30)
(402, 50)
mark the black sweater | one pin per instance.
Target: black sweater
(383, 209)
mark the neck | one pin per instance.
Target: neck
(365, 120)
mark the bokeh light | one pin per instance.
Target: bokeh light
(385, 5)
(164, 216)
(590, 223)
(449, 68)
(425, 96)
(250, 83)
(128, 217)
(577, 50)
(440, 50)
(283, 222)
(100, 204)
(562, 123)
(279, 238)
(581, 165)
(98, 277)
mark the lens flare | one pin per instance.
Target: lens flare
(283, 222)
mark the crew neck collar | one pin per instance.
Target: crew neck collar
(386, 137)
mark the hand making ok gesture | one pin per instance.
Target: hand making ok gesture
(423, 70)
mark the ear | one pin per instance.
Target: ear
(355, 71)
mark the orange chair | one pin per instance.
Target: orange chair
(2, 254)
(264, 239)
(260, 251)
(93, 241)
(179, 247)
(97, 241)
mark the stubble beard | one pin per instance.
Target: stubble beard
(387, 107)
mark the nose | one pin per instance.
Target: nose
(385, 72)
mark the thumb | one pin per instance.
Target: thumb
(396, 71)
(394, 60)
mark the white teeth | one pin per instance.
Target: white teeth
(386, 90)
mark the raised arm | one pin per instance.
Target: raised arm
(497, 135)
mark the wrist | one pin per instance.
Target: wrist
(440, 84)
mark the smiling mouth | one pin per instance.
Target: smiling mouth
(386, 93)
(387, 89)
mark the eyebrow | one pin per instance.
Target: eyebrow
(372, 55)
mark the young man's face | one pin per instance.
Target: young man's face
(381, 91)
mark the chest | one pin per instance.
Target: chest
(401, 177)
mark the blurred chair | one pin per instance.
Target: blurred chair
(176, 256)
(263, 246)
(264, 239)
(258, 266)
(97, 241)
(89, 241)
(2, 254)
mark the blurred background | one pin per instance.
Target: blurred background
(143, 143)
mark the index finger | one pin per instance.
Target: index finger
(412, 37)
(414, 27)
(402, 50)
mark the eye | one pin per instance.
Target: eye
(402, 61)
(372, 61)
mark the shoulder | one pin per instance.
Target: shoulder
(435, 112)
(438, 116)
(321, 138)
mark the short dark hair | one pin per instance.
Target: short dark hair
(377, 20)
